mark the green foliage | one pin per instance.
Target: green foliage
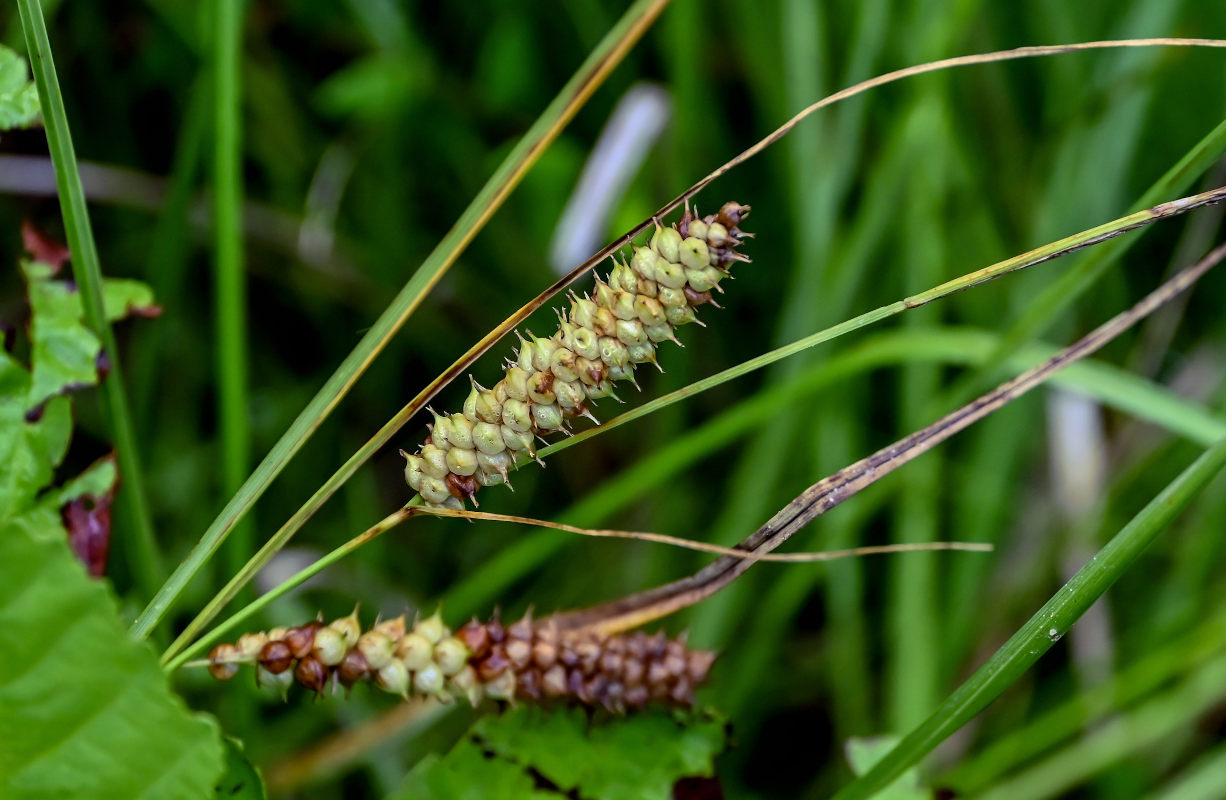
(36, 414)
(87, 711)
(241, 780)
(507, 755)
(18, 95)
(367, 127)
(35, 411)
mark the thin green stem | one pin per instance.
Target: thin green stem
(293, 582)
(1043, 629)
(230, 290)
(141, 549)
(542, 133)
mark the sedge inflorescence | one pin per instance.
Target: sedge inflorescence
(526, 660)
(599, 341)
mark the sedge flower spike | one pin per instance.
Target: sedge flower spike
(527, 661)
(599, 341)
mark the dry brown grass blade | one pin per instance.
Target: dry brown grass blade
(639, 609)
(705, 547)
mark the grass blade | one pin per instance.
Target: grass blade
(1043, 629)
(141, 548)
(229, 281)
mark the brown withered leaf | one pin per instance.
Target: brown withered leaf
(88, 520)
(42, 247)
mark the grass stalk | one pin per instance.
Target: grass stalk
(229, 282)
(139, 546)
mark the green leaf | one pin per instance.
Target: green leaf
(641, 756)
(466, 773)
(64, 350)
(29, 449)
(64, 353)
(123, 298)
(86, 710)
(864, 752)
(18, 95)
(241, 780)
(98, 479)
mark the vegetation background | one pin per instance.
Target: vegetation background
(368, 125)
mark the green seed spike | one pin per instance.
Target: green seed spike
(601, 336)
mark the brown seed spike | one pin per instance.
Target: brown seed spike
(493, 665)
(352, 669)
(632, 671)
(544, 654)
(311, 674)
(529, 684)
(731, 214)
(696, 298)
(301, 640)
(519, 653)
(476, 637)
(527, 660)
(223, 661)
(698, 665)
(276, 657)
(462, 487)
(636, 696)
(522, 628)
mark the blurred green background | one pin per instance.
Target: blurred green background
(368, 125)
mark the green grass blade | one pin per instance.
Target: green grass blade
(597, 66)
(1062, 292)
(1051, 622)
(1137, 729)
(230, 291)
(1201, 781)
(1137, 680)
(140, 547)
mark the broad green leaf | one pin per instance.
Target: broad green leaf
(640, 756)
(466, 773)
(241, 780)
(86, 711)
(18, 95)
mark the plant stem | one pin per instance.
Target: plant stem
(229, 284)
(144, 559)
